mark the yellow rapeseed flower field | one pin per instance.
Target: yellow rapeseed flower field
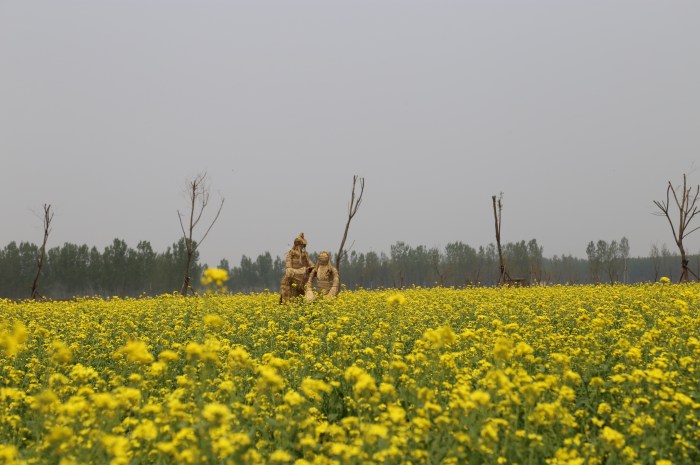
(542, 375)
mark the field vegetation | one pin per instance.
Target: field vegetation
(554, 375)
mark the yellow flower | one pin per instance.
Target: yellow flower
(214, 275)
(565, 456)
(13, 342)
(223, 447)
(604, 408)
(136, 351)
(167, 356)
(9, 455)
(489, 431)
(396, 299)
(117, 446)
(213, 321)
(158, 368)
(280, 456)
(194, 350)
(612, 437)
(216, 413)
(313, 387)
(523, 349)
(374, 432)
(502, 349)
(440, 337)
(293, 398)
(238, 357)
(268, 378)
(365, 383)
(61, 352)
(59, 433)
(480, 397)
(146, 430)
(396, 413)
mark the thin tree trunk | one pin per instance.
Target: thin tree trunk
(497, 219)
(198, 193)
(352, 210)
(684, 263)
(48, 216)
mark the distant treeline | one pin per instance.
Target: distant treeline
(119, 270)
(78, 270)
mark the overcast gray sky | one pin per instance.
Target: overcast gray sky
(578, 111)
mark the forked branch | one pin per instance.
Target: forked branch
(198, 196)
(353, 206)
(686, 202)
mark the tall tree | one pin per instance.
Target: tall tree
(48, 217)
(655, 256)
(503, 276)
(265, 270)
(686, 202)
(352, 210)
(593, 262)
(198, 196)
(116, 267)
(535, 254)
(141, 263)
(460, 260)
(624, 249)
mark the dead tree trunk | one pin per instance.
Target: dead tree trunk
(503, 276)
(352, 209)
(687, 209)
(198, 196)
(48, 216)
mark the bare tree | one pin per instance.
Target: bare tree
(198, 196)
(352, 210)
(48, 216)
(686, 202)
(503, 276)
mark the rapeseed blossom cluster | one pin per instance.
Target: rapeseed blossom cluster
(213, 279)
(543, 375)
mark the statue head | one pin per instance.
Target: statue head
(323, 258)
(300, 241)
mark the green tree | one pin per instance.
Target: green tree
(141, 265)
(115, 259)
(266, 271)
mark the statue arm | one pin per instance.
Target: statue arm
(336, 283)
(309, 282)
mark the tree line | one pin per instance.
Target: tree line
(73, 270)
(79, 270)
(120, 270)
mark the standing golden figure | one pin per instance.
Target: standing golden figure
(298, 266)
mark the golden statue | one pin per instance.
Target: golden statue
(327, 278)
(297, 269)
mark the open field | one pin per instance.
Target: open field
(551, 375)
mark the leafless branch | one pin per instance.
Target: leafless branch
(48, 217)
(198, 196)
(218, 212)
(686, 202)
(353, 206)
